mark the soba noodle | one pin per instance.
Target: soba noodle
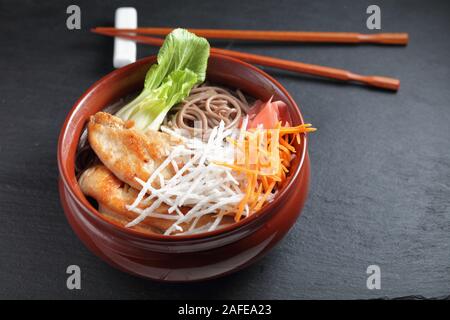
(206, 106)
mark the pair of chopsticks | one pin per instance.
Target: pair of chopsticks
(304, 68)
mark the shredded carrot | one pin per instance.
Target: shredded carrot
(236, 167)
(256, 194)
(298, 129)
(264, 197)
(297, 135)
(275, 178)
(243, 202)
(264, 183)
(283, 149)
(273, 152)
(285, 144)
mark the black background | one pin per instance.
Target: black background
(380, 190)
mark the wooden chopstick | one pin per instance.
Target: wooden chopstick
(295, 36)
(311, 69)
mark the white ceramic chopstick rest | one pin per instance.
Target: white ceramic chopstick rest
(124, 50)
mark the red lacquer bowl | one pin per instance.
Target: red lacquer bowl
(190, 257)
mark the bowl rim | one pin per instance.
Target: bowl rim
(230, 229)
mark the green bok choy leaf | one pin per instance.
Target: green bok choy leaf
(181, 64)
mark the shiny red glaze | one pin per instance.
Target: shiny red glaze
(190, 257)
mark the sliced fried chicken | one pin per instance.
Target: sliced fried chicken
(127, 152)
(113, 196)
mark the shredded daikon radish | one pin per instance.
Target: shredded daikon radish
(216, 222)
(199, 184)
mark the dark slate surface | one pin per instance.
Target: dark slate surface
(380, 190)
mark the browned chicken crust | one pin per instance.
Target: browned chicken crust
(113, 196)
(127, 152)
